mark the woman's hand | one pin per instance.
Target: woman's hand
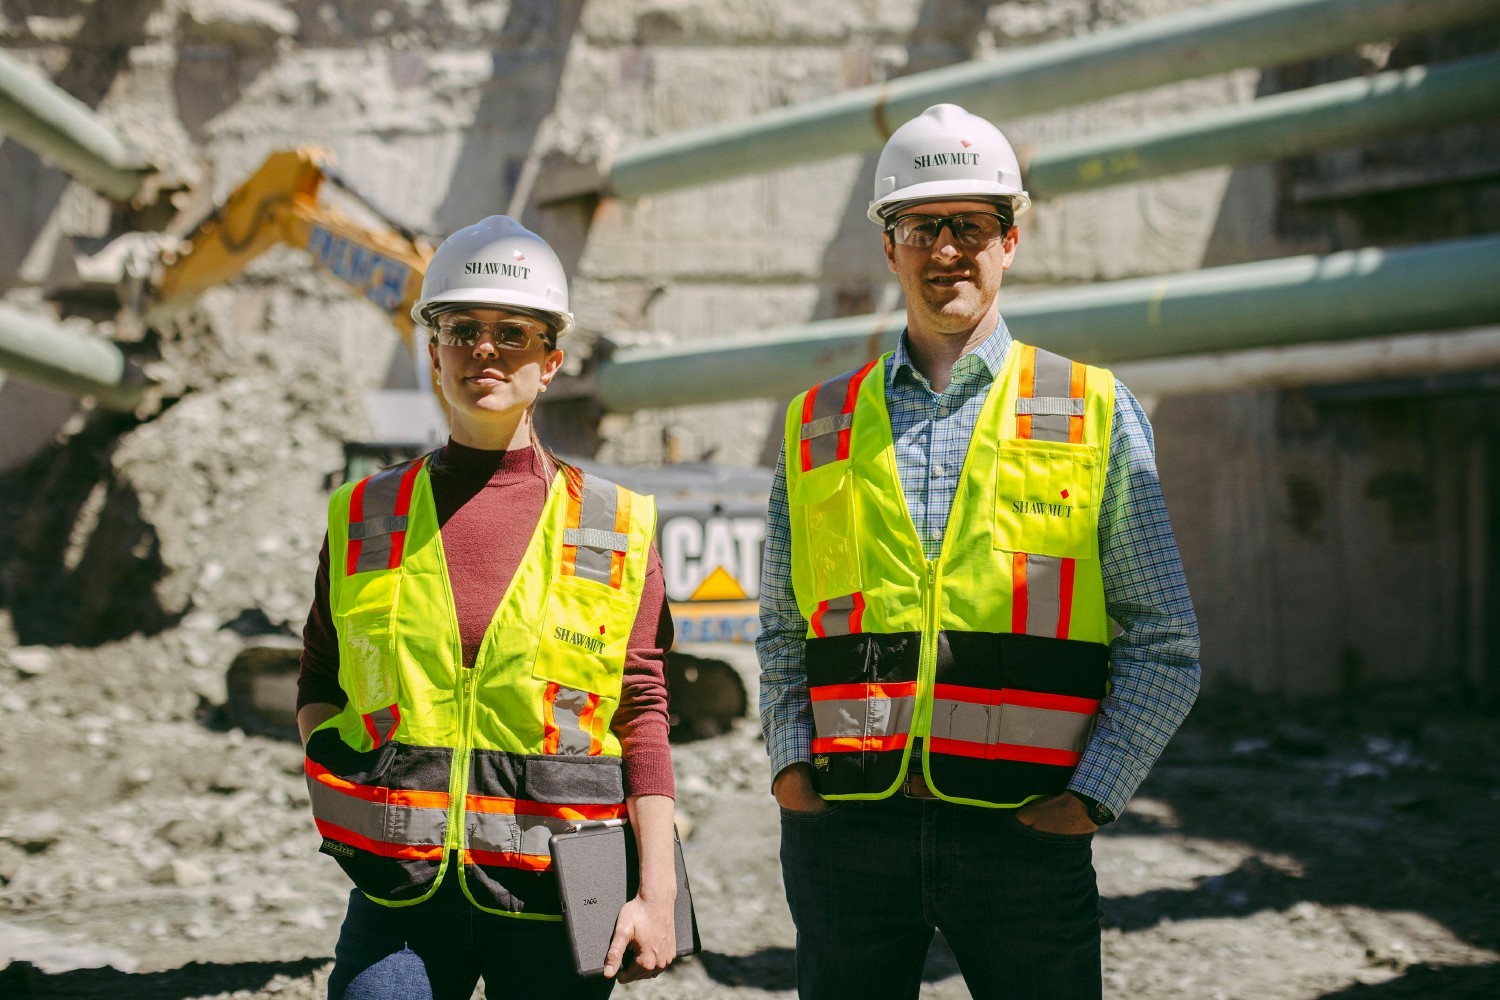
(647, 925)
(648, 928)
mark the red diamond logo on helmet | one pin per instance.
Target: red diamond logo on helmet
(519, 255)
(966, 143)
(1065, 494)
(601, 629)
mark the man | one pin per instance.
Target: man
(975, 636)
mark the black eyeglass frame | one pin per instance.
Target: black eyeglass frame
(946, 222)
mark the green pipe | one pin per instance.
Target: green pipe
(38, 351)
(1182, 46)
(52, 123)
(1295, 300)
(1330, 116)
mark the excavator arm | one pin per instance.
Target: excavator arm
(279, 204)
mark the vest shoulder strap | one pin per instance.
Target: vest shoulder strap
(378, 508)
(1052, 398)
(596, 539)
(827, 416)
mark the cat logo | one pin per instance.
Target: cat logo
(714, 559)
(821, 762)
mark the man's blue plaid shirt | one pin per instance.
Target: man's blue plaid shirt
(1153, 668)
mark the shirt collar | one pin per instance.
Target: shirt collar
(990, 352)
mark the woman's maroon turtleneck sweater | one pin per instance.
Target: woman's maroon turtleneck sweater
(488, 504)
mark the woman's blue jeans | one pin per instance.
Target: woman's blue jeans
(868, 882)
(439, 949)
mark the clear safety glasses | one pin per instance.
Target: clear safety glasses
(971, 230)
(509, 334)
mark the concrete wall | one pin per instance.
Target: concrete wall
(1296, 517)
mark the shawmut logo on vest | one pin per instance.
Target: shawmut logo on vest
(588, 642)
(1042, 507)
(945, 160)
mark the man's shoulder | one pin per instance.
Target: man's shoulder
(844, 379)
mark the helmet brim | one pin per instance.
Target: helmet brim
(485, 298)
(951, 190)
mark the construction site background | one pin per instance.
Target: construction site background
(1322, 827)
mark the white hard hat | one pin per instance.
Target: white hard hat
(946, 154)
(496, 263)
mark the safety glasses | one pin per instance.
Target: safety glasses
(971, 230)
(510, 334)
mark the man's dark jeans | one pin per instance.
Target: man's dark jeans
(437, 950)
(867, 882)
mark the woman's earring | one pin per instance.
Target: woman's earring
(543, 388)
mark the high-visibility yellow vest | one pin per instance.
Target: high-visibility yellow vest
(431, 760)
(996, 652)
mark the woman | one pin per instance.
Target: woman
(484, 664)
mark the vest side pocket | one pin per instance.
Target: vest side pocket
(1044, 499)
(367, 640)
(821, 505)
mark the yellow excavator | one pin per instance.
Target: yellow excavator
(711, 520)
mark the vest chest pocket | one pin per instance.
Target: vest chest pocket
(1045, 502)
(584, 636)
(821, 505)
(363, 617)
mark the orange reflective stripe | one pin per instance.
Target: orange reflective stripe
(403, 507)
(1004, 751)
(551, 734)
(1018, 592)
(852, 692)
(846, 435)
(405, 852)
(1065, 597)
(356, 514)
(1075, 422)
(1027, 389)
(508, 859)
(574, 514)
(375, 793)
(846, 744)
(807, 417)
(526, 807)
(587, 724)
(622, 525)
(972, 695)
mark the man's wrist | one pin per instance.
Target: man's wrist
(1099, 813)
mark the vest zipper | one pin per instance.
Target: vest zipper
(459, 773)
(921, 722)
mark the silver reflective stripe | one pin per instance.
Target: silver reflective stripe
(863, 717)
(411, 825)
(1044, 727)
(828, 425)
(828, 406)
(1043, 595)
(1054, 377)
(597, 514)
(513, 833)
(1050, 405)
(605, 541)
(838, 619)
(372, 526)
(1020, 725)
(376, 820)
(378, 510)
(384, 721)
(567, 713)
(964, 720)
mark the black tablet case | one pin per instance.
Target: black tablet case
(597, 872)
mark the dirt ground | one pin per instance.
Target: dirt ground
(147, 849)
